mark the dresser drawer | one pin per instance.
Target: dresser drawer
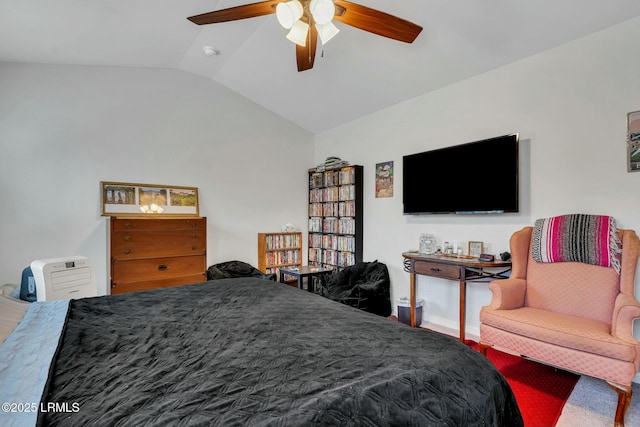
(119, 288)
(157, 268)
(434, 269)
(140, 244)
(169, 224)
(151, 252)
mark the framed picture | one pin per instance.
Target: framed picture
(126, 199)
(633, 141)
(384, 179)
(475, 248)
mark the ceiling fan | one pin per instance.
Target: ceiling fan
(309, 19)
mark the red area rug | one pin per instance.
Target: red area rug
(541, 391)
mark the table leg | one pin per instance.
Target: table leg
(412, 300)
(463, 306)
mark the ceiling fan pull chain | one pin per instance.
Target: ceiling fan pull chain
(309, 41)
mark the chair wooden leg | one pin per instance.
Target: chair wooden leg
(624, 399)
(482, 348)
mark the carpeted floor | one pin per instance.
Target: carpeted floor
(593, 404)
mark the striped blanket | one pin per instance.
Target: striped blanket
(591, 239)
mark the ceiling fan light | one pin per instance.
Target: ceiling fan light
(288, 13)
(298, 33)
(327, 31)
(322, 10)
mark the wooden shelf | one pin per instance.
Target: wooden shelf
(279, 249)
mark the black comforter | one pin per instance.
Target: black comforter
(252, 352)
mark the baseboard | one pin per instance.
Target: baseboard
(448, 327)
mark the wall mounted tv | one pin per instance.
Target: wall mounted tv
(477, 177)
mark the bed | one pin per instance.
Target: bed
(240, 352)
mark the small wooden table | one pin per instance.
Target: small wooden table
(305, 271)
(451, 267)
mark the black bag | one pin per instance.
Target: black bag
(365, 285)
(232, 269)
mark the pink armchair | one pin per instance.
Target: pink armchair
(575, 316)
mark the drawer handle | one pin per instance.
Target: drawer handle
(127, 238)
(193, 248)
(434, 269)
(127, 225)
(163, 267)
(127, 251)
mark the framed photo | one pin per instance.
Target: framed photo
(126, 199)
(384, 179)
(633, 141)
(475, 248)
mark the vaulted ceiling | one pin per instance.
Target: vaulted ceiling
(355, 74)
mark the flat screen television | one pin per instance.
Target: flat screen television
(477, 177)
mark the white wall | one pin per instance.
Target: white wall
(569, 105)
(63, 129)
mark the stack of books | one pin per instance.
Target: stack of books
(332, 163)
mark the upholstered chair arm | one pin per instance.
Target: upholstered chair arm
(507, 294)
(625, 310)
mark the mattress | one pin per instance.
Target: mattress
(254, 352)
(25, 361)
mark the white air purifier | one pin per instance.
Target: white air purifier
(64, 278)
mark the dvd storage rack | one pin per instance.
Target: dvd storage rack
(279, 249)
(335, 217)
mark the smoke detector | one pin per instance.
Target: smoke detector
(209, 51)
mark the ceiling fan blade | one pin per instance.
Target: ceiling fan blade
(234, 13)
(305, 55)
(377, 22)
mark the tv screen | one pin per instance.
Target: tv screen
(477, 177)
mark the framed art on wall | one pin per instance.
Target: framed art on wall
(633, 141)
(127, 199)
(384, 179)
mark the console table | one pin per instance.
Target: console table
(452, 267)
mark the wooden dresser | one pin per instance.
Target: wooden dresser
(149, 253)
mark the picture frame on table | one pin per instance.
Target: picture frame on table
(131, 199)
(475, 248)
